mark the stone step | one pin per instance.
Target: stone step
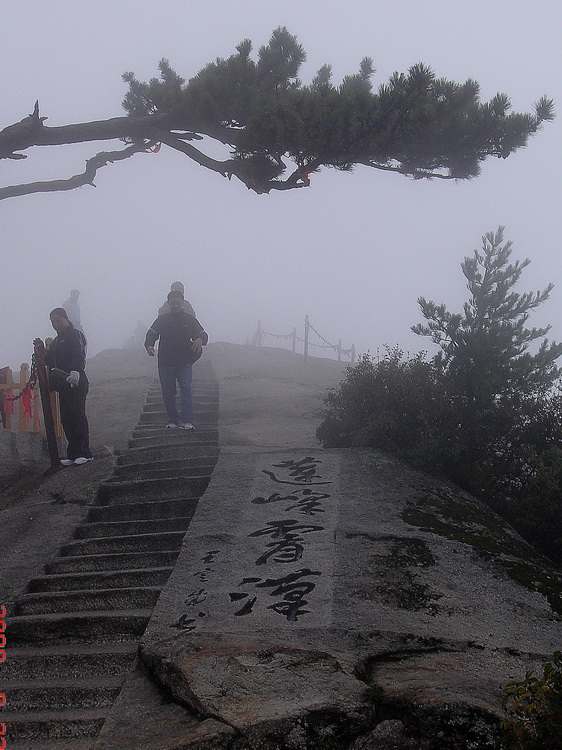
(201, 403)
(70, 660)
(75, 632)
(74, 743)
(112, 561)
(135, 543)
(127, 528)
(177, 438)
(108, 579)
(37, 725)
(96, 600)
(160, 431)
(62, 694)
(81, 627)
(159, 418)
(202, 399)
(142, 511)
(149, 454)
(159, 489)
(203, 465)
(139, 472)
(157, 427)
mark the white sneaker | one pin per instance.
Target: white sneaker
(82, 460)
(171, 426)
(186, 426)
(67, 462)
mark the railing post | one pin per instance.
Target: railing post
(24, 377)
(8, 392)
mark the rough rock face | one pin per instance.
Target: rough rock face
(262, 688)
(323, 596)
(22, 455)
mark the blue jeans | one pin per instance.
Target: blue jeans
(168, 375)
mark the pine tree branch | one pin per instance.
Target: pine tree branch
(224, 168)
(298, 179)
(233, 168)
(78, 180)
(408, 173)
(31, 132)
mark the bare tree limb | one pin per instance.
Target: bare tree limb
(32, 132)
(78, 180)
(174, 141)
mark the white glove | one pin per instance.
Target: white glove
(73, 378)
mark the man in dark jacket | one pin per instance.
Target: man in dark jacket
(181, 339)
(67, 355)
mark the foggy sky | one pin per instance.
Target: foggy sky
(353, 252)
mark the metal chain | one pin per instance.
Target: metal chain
(327, 345)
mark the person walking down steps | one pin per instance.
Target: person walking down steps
(181, 338)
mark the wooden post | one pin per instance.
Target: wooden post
(306, 327)
(7, 388)
(47, 410)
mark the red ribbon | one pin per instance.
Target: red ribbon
(26, 399)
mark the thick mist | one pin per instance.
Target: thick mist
(353, 251)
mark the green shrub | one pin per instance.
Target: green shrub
(394, 404)
(534, 708)
(484, 412)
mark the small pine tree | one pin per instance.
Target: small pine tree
(484, 350)
(485, 412)
(489, 374)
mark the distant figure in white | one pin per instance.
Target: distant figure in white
(177, 286)
(72, 309)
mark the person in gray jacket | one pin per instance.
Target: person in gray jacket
(177, 286)
(181, 338)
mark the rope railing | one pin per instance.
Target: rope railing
(260, 334)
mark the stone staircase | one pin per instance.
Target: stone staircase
(73, 635)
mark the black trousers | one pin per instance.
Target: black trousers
(72, 403)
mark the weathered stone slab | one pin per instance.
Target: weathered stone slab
(262, 554)
(320, 541)
(327, 565)
(252, 682)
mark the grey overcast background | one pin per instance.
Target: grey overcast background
(353, 252)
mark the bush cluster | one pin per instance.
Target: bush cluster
(534, 709)
(484, 412)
